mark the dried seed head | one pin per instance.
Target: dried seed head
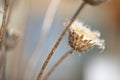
(82, 38)
(94, 2)
(12, 39)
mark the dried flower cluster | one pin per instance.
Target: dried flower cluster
(82, 38)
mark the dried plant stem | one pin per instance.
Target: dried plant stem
(57, 64)
(58, 41)
(3, 26)
(2, 40)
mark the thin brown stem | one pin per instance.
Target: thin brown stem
(58, 41)
(2, 39)
(3, 26)
(57, 64)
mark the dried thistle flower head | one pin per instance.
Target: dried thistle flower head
(94, 2)
(82, 38)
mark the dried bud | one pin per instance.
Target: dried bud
(12, 39)
(82, 38)
(94, 2)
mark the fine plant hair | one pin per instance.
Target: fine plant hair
(58, 41)
(3, 39)
(80, 39)
(91, 2)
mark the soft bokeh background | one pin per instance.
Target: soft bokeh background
(42, 21)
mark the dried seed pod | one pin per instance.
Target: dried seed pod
(82, 38)
(95, 2)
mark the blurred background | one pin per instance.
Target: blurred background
(40, 23)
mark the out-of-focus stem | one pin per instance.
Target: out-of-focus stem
(3, 26)
(2, 40)
(58, 41)
(57, 64)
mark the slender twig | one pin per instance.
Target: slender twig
(2, 39)
(3, 26)
(58, 41)
(57, 64)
